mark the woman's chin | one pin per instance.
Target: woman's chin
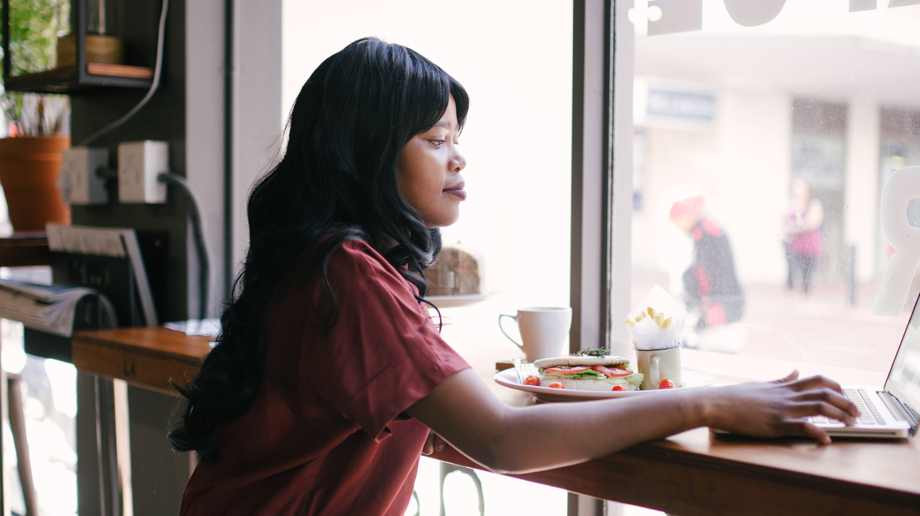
(442, 221)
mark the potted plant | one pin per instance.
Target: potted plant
(30, 156)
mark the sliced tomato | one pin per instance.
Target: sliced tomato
(556, 385)
(532, 380)
(612, 372)
(666, 384)
(619, 388)
(566, 370)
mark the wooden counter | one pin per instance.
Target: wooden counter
(693, 473)
(144, 357)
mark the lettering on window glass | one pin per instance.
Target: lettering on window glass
(869, 5)
(862, 5)
(674, 16)
(671, 16)
(902, 186)
(751, 13)
(902, 3)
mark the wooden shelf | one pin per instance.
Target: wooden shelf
(24, 250)
(65, 79)
(113, 70)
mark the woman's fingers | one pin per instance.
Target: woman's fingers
(433, 443)
(428, 447)
(808, 430)
(830, 396)
(815, 382)
(820, 408)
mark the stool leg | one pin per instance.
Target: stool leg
(18, 427)
(478, 483)
(447, 469)
(418, 504)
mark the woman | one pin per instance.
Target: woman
(329, 372)
(804, 241)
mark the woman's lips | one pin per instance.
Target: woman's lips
(457, 191)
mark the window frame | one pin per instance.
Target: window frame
(601, 254)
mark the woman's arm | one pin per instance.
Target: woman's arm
(814, 217)
(522, 439)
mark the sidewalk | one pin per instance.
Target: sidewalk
(816, 328)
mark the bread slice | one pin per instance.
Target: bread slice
(588, 384)
(607, 360)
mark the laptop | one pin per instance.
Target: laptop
(890, 412)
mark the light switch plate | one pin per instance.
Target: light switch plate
(78, 181)
(139, 164)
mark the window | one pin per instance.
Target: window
(515, 60)
(776, 124)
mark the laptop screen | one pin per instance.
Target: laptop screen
(904, 377)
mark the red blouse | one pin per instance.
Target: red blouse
(327, 433)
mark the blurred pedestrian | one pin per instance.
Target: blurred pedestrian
(711, 288)
(804, 241)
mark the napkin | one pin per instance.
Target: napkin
(646, 334)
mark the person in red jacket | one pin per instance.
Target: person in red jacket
(712, 291)
(329, 378)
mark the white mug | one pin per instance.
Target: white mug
(658, 365)
(543, 330)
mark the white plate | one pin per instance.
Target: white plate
(459, 300)
(508, 378)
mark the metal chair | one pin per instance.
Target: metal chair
(447, 469)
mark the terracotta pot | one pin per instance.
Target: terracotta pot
(29, 169)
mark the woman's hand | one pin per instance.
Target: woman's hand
(433, 443)
(778, 408)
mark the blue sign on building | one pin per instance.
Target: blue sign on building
(698, 107)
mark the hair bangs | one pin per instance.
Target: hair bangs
(431, 88)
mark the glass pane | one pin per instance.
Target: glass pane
(510, 248)
(517, 140)
(763, 133)
(515, 62)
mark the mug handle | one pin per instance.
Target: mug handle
(503, 329)
(653, 371)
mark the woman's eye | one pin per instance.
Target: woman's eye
(438, 143)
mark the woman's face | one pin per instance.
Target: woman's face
(428, 172)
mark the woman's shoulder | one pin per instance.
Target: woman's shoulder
(358, 261)
(361, 253)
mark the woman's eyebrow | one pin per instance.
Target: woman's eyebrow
(444, 123)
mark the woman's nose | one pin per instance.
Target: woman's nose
(458, 162)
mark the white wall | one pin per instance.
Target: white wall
(204, 156)
(752, 178)
(742, 163)
(861, 216)
(256, 106)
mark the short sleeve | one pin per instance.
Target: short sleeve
(384, 352)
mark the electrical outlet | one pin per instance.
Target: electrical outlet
(78, 181)
(139, 164)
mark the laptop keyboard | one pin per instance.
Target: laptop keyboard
(869, 414)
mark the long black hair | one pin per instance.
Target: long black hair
(336, 182)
